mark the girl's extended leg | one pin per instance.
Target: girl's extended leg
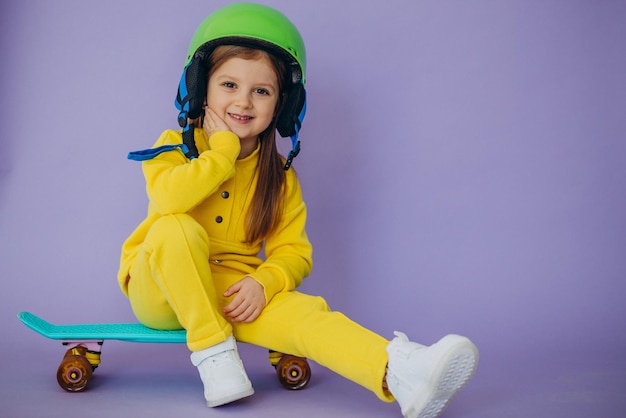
(422, 379)
(304, 325)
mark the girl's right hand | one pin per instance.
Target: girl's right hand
(213, 123)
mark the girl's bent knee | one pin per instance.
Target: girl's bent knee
(175, 227)
(175, 222)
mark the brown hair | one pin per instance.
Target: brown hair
(265, 211)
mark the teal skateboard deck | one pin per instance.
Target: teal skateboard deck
(84, 344)
(99, 332)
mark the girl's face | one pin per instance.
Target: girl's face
(244, 93)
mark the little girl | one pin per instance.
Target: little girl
(219, 193)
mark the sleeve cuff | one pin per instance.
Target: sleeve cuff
(271, 282)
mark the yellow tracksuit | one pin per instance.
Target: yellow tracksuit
(179, 261)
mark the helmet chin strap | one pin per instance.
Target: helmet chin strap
(190, 141)
(182, 104)
(295, 142)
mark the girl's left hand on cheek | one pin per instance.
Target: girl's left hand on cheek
(248, 301)
(213, 123)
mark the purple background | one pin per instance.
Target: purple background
(463, 163)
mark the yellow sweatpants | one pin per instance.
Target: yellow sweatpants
(173, 286)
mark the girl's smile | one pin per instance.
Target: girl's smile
(240, 118)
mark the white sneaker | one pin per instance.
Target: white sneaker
(424, 379)
(222, 373)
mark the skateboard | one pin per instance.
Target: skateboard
(84, 345)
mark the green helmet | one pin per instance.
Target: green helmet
(256, 26)
(255, 23)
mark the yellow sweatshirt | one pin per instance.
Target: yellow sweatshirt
(216, 189)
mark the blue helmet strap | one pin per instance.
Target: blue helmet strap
(190, 142)
(290, 119)
(295, 142)
(184, 101)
